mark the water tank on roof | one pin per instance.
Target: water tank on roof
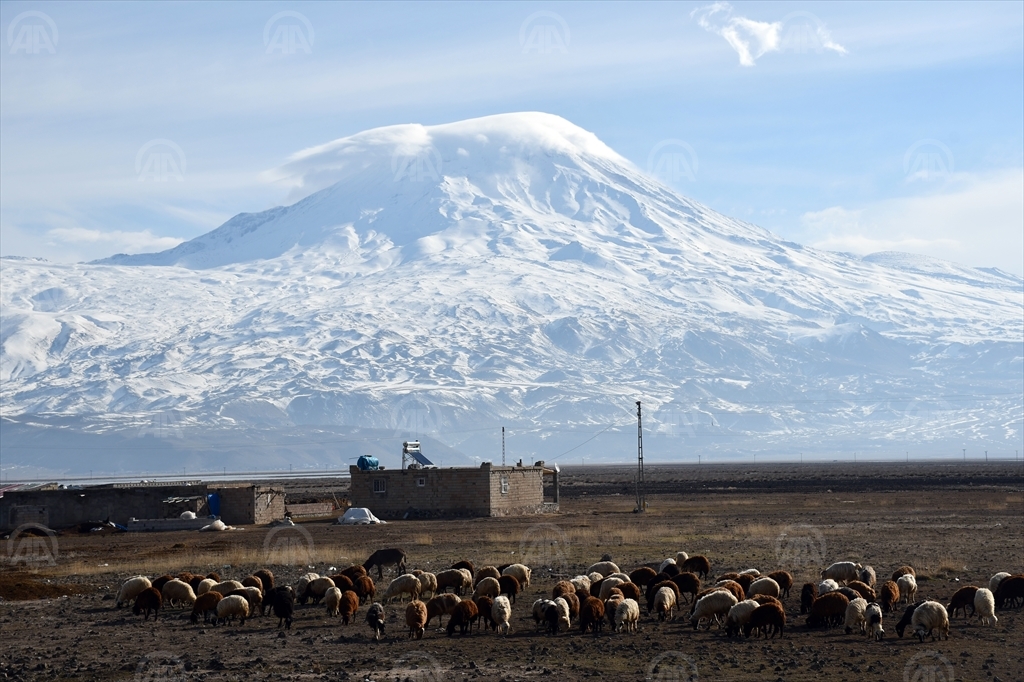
(367, 463)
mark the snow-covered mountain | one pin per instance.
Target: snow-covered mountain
(511, 270)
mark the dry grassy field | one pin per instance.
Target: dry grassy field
(957, 524)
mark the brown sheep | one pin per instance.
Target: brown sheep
(1009, 592)
(392, 556)
(416, 618)
(807, 596)
(688, 583)
(727, 576)
(785, 581)
(159, 583)
(349, 605)
(464, 615)
(253, 581)
(574, 604)
(610, 604)
(562, 587)
(652, 590)
(148, 600)
(630, 591)
(213, 575)
(483, 608)
(595, 588)
(441, 605)
(591, 615)
(466, 564)
(863, 589)
(486, 572)
(962, 598)
(453, 578)
(697, 564)
(266, 579)
(734, 587)
(763, 599)
(510, 586)
(365, 588)
(889, 595)
(642, 576)
(671, 570)
(903, 570)
(185, 577)
(205, 604)
(354, 573)
(828, 610)
(194, 582)
(342, 582)
(765, 618)
(744, 580)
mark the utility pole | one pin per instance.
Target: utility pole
(641, 501)
(502, 446)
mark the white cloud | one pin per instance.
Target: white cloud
(981, 224)
(797, 32)
(125, 242)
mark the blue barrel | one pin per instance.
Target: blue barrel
(367, 463)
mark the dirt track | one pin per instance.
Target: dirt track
(958, 526)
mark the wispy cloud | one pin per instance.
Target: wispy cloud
(797, 32)
(125, 242)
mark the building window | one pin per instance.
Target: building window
(504, 485)
(380, 485)
(420, 482)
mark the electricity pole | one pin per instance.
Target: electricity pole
(502, 446)
(641, 501)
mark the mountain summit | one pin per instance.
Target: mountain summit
(444, 281)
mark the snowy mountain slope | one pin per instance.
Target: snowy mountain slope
(513, 270)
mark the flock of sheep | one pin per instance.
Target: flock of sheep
(746, 602)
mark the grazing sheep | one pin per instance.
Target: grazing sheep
(828, 610)
(681, 557)
(849, 593)
(993, 582)
(764, 586)
(842, 572)
(441, 605)
(903, 570)
(744, 580)
(607, 585)
(195, 581)
(671, 570)
(158, 583)
(205, 605)
(826, 586)
(867, 576)
(463, 616)
(253, 581)
(784, 579)
(904, 621)
(501, 614)
(751, 571)
(282, 601)
(521, 573)
(713, 607)
(908, 587)
(807, 596)
(962, 600)
(873, 616)
(610, 604)
(766, 618)
(627, 616)
(562, 606)
(889, 595)
(489, 587)
(131, 588)
(595, 587)
(354, 573)
(453, 578)
(629, 591)
(562, 587)
(266, 578)
(376, 618)
(466, 564)
(204, 586)
(349, 606)
(509, 585)
(856, 615)
(178, 592)
(304, 580)
(341, 581)
(595, 577)
(332, 600)
(386, 557)
(1009, 592)
(148, 600)
(985, 606)
(642, 576)
(416, 618)
(604, 568)
(252, 596)
(732, 575)
(928, 617)
(581, 582)
(226, 587)
(540, 607)
(863, 589)
(591, 615)
(484, 605)
(231, 607)
(405, 584)
(697, 564)
(652, 591)
(734, 587)
(574, 605)
(214, 576)
(487, 572)
(738, 616)
(365, 588)
(763, 599)
(666, 562)
(316, 589)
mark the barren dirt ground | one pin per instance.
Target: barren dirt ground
(956, 524)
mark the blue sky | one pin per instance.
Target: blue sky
(856, 127)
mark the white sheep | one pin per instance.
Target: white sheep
(131, 589)
(604, 568)
(739, 615)
(908, 587)
(226, 587)
(713, 606)
(581, 582)
(595, 577)
(873, 616)
(406, 583)
(666, 563)
(665, 603)
(826, 586)
(681, 558)
(856, 616)
(621, 576)
(563, 613)
(316, 589)
(232, 606)
(216, 526)
(607, 585)
(428, 583)
(751, 571)
(627, 615)
(520, 572)
(204, 586)
(488, 587)
(765, 586)
(993, 582)
(332, 600)
(178, 592)
(304, 579)
(842, 572)
(540, 607)
(867, 576)
(928, 617)
(501, 614)
(985, 606)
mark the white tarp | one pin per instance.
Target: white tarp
(358, 516)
